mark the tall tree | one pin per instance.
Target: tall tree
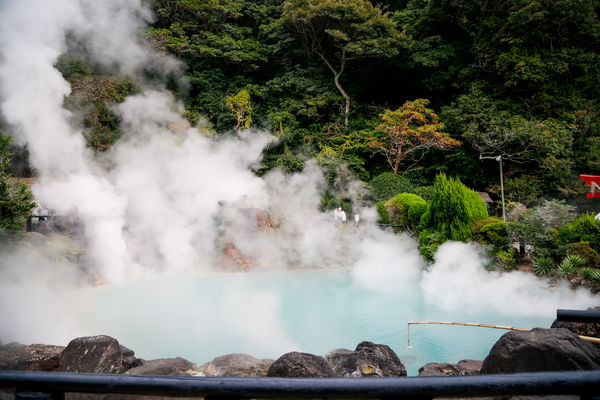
(412, 129)
(337, 31)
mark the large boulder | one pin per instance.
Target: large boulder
(582, 328)
(35, 357)
(463, 367)
(236, 365)
(301, 365)
(367, 360)
(166, 366)
(96, 354)
(540, 350)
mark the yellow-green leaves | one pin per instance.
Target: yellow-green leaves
(241, 108)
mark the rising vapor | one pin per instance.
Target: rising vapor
(153, 205)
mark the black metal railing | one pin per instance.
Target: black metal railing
(588, 316)
(53, 385)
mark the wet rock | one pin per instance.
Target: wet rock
(94, 354)
(128, 358)
(236, 365)
(301, 365)
(464, 367)
(368, 360)
(540, 350)
(35, 357)
(166, 366)
(582, 328)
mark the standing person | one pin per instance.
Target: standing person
(336, 214)
(342, 216)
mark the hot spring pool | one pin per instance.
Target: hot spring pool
(271, 313)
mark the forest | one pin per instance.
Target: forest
(424, 101)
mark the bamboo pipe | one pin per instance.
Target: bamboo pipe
(511, 328)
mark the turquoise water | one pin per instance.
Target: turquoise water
(269, 314)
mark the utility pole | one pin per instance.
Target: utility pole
(499, 159)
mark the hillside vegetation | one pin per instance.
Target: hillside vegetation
(412, 96)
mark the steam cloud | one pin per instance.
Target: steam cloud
(152, 204)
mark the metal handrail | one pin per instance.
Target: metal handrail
(582, 383)
(588, 316)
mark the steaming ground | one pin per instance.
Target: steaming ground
(161, 204)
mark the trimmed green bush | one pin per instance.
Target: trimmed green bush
(453, 209)
(491, 231)
(384, 215)
(407, 209)
(387, 185)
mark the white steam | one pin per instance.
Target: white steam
(458, 281)
(168, 198)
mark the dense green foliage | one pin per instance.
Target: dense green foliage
(453, 209)
(386, 185)
(512, 81)
(406, 209)
(15, 200)
(516, 79)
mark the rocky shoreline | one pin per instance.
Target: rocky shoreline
(557, 348)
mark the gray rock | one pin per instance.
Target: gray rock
(301, 365)
(463, 367)
(35, 357)
(540, 350)
(128, 358)
(166, 366)
(368, 360)
(236, 365)
(94, 354)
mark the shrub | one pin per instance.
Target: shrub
(570, 264)
(584, 229)
(586, 273)
(477, 225)
(384, 215)
(425, 192)
(595, 276)
(386, 185)
(453, 209)
(584, 250)
(508, 258)
(16, 200)
(429, 241)
(491, 230)
(407, 209)
(574, 260)
(543, 265)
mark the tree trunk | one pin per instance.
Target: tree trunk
(336, 79)
(397, 164)
(346, 97)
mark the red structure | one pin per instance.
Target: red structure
(594, 182)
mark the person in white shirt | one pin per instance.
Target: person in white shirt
(343, 216)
